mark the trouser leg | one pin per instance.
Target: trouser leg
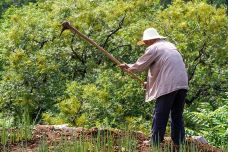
(160, 117)
(177, 124)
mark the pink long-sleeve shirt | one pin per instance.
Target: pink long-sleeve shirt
(166, 69)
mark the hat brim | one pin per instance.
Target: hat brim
(141, 42)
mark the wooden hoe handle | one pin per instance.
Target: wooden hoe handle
(67, 25)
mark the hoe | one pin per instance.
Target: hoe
(68, 26)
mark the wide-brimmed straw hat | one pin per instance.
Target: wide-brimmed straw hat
(150, 34)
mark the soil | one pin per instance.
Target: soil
(55, 134)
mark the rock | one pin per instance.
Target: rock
(123, 149)
(79, 129)
(200, 139)
(146, 142)
(63, 126)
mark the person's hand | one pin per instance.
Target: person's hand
(144, 85)
(124, 67)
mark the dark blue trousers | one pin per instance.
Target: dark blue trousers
(173, 104)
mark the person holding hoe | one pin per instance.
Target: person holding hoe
(167, 84)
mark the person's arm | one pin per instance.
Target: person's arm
(144, 61)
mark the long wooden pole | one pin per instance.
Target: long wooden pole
(67, 25)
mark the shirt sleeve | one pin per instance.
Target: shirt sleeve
(144, 61)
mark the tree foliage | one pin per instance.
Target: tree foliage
(5, 4)
(65, 80)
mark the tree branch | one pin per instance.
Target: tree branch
(114, 31)
(198, 94)
(198, 60)
(120, 46)
(120, 24)
(75, 55)
(43, 42)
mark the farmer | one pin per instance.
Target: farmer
(167, 83)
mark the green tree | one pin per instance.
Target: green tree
(5, 4)
(38, 64)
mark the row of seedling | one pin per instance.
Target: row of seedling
(105, 142)
(101, 141)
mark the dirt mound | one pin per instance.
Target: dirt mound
(58, 135)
